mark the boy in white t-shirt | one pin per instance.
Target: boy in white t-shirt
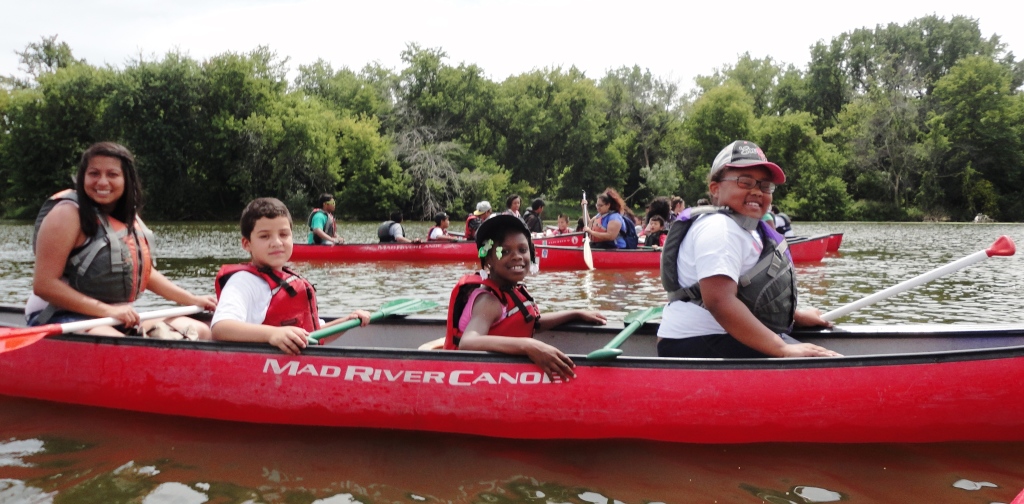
(714, 254)
(264, 301)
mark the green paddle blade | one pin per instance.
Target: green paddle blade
(396, 307)
(633, 320)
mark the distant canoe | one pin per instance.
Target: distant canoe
(834, 240)
(806, 250)
(554, 258)
(564, 240)
(371, 252)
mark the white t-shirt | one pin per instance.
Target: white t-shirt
(245, 298)
(436, 233)
(715, 245)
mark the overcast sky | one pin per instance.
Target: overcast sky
(674, 40)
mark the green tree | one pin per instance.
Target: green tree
(981, 121)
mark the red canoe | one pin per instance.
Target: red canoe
(565, 240)
(553, 258)
(906, 384)
(405, 252)
(834, 240)
(805, 250)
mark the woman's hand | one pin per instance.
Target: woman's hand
(209, 303)
(125, 313)
(551, 360)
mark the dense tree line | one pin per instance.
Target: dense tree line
(899, 122)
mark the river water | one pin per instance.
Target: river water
(70, 454)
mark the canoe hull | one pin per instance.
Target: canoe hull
(373, 252)
(809, 250)
(556, 258)
(834, 241)
(940, 396)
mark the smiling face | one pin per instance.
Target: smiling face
(515, 204)
(750, 202)
(514, 262)
(104, 181)
(270, 242)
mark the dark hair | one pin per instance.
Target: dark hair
(508, 202)
(537, 204)
(612, 198)
(563, 216)
(676, 200)
(703, 202)
(440, 217)
(130, 202)
(324, 198)
(259, 208)
(396, 216)
(499, 228)
(659, 207)
(658, 219)
(579, 224)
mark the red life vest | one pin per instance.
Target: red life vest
(430, 231)
(521, 312)
(472, 222)
(292, 298)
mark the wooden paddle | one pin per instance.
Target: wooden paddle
(634, 321)
(1003, 246)
(15, 338)
(588, 255)
(396, 307)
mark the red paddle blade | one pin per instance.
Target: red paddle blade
(8, 344)
(42, 331)
(1003, 246)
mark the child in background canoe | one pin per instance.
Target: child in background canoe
(563, 225)
(264, 301)
(495, 312)
(654, 235)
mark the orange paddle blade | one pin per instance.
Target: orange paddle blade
(13, 343)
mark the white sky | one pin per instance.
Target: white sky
(675, 41)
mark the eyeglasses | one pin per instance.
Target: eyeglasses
(748, 182)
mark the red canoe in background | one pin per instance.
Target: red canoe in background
(805, 250)
(552, 258)
(565, 240)
(370, 252)
(834, 240)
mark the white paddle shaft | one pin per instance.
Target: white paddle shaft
(923, 278)
(111, 321)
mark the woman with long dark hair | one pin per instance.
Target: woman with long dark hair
(93, 252)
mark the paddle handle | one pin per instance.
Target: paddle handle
(319, 334)
(111, 321)
(588, 254)
(999, 248)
